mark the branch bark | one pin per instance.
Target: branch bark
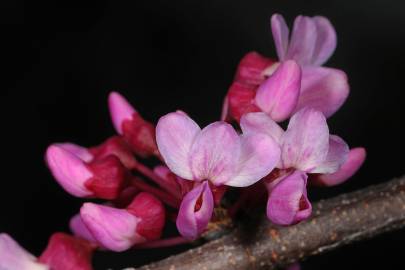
(335, 222)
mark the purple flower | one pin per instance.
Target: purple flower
(312, 42)
(306, 148)
(215, 155)
(260, 82)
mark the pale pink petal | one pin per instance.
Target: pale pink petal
(260, 122)
(288, 202)
(175, 134)
(69, 170)
(215, 153)
(120, 110)
(259, 156)
(337, 155)
(350, 167)
(278, 95)
(306, 141)
(280, 32)
(14, 257)
(81, 152)
(324, 89)
(325, 40)
(191, 222)
(303, 38)
(113, 228)
(79, 229)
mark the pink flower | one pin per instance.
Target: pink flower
(139, 133)
(67, 252)
(312, 42)
(215, 155)
(119, 229)
(306, 148)
(83, 174)
(13, 256)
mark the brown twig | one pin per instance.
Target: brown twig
(335, 223)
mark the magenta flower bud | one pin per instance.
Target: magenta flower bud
(119, 229)
(13, 256)
(79, 229)
(115, 146)
(69, 170)
(103, 178)
(353, 163)
(109, 177)
(251, 67)
(195, 211)
(67, 252)
(139, 133)
(288, 203)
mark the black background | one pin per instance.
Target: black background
(61, 60)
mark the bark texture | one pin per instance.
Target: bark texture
(335, 222)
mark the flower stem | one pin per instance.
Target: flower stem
(168, 242)
(165, 197)
(156, 178)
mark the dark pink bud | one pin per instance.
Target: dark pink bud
(251, 69)
(109, 177)
(139, 133)
(152, 214)
(67, 252)
(241, 100)
(118, 147)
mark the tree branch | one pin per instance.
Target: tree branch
(335, 223)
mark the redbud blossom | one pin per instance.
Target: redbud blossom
(307, 147)
(139, 133)
(216, 153)
(67, 252)
(119, 229)
(81, 175)
(312, 42)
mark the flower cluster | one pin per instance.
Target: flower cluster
(247, 150)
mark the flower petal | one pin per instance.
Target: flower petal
(251, 69)
(13, 256)
(306, 141)
(259, 155)
(288, 202)
(79, 229)
(303, 40)
(120, 110)
(69, 170)
(260, 122)
(325, 40)
(280, 32)
(215, 153)
(353, 163)
(175, 134)
(324, 89)
(113, 228)
(278, 95)
(195, 211)
(337, 155)
(77, 150)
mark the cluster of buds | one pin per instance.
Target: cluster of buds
(246, 149)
